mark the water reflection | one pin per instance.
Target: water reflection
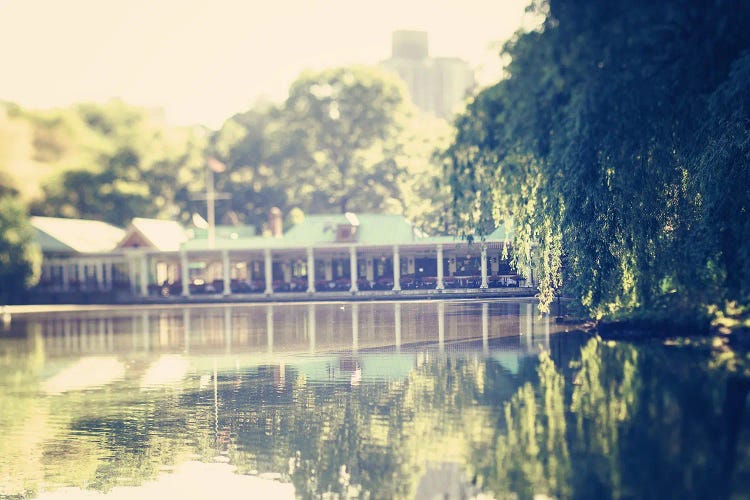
(286, 329)
(371, 399)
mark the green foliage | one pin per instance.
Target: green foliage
(106, 161)
(20, 259)
(346, 139)
(620, 138)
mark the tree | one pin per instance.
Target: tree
(135, 166)
(598, 143)
(20, 259)
(259, 158)
(345, 121)
(345, 139)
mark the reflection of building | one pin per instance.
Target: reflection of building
(360, 254)
(379, 339)
(436, 84)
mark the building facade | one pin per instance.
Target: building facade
(354, 254)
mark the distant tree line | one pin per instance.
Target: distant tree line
(619, 147)
(346, 139)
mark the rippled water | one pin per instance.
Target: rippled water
(379, 400)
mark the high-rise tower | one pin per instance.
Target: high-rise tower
(436, 84)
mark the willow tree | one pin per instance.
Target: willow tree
(598, 147)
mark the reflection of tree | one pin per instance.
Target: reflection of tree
(641, 421)
(637, 421)
(23, 417)
(532, 454)
(601, 401)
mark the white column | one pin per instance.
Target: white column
(310, 271)
(370, 272)
(440, 285)
(110, 266)
(396, 269)
(78, 272)
(484, 266)
(329, 269)
(131, 274)
(144, 275)
(226, 272)
(269, 271)
(65, 276)
(185, 274)
(286, 269)
(100, 281)
(353, 268)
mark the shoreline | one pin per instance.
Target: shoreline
(276, 298)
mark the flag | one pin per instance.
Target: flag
(216, 165)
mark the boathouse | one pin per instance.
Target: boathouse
(360, 254)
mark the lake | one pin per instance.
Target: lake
(414, 399)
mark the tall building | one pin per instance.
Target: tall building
(437, 85)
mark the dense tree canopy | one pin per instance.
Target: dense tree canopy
(134, 164)
(618, 144)
(19, 257)
(346, 139)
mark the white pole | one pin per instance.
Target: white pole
(396, 269)
(144, 275)
(440, 285)
(184, 274)
(269, 271)
(226, 272)
(353, 268)
(310, 271)
(484, 267)
(210, 198)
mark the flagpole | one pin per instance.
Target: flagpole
(210, 198)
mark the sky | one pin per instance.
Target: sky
(202, 61)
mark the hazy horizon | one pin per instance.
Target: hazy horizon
(202, 62)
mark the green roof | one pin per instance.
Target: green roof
(226, 232)
(254, 243)
(372, 229)
(499, 234)
(321, 230)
